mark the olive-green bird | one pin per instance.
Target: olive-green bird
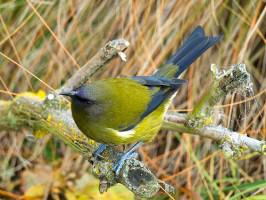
(131, 110)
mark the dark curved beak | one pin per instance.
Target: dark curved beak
(68, 93)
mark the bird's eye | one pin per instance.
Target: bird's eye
(83, 100)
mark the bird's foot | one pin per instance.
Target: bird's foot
(130, 153)
(118, 166)
(97, 154)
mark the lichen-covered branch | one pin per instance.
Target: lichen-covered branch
(200, 121)
(232, 143)
(225, 82)
(52, 115)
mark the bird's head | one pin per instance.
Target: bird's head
(86, 102)
(81, 95)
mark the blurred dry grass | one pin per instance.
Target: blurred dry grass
(43, 42)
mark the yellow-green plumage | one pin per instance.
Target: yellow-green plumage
(105, 124)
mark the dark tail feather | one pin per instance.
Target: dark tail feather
(195, 45)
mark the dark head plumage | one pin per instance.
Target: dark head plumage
(80, 94)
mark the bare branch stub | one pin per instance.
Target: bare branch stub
(105, 54)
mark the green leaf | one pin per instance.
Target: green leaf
(258, 197)
(242, 189)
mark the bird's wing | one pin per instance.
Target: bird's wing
(161, 88)
(153, 81)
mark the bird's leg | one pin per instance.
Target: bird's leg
(97, 153)
(130, 153)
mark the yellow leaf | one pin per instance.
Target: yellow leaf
(34, 192)
(41, 94)
(49, 117)
(69, 195)
(39, 133)
(208, 121)
(87, 187)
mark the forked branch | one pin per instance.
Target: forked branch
(52, 115)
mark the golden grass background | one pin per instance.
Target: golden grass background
(43, 42)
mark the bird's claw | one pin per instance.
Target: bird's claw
(118, 166)
(98, 152)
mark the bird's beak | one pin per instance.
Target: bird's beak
(68, 93)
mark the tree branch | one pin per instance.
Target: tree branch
(52, 115)
(200, 121)
(232, 143)
(109, 51)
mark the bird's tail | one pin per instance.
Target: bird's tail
(195, 45)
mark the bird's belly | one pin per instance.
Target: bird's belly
(145, 131)
(150, 125)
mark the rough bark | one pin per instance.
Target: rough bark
(52, 115)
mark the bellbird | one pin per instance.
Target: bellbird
(131, 110)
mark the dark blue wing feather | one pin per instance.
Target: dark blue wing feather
(163, 89)
(158, 81)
